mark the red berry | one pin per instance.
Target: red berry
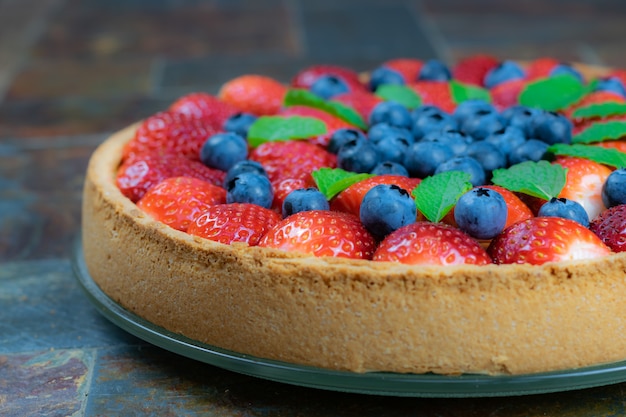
(283, 187)
(332, 123)
(321, 233)
(204, 106)
(425, 243)
(610, 226)
(409, 68)
(363, 102)
(472, 70)
(177, 201)
(435, 93)
(306, 77)
(546, 239)
(507, 94)
(254, 94)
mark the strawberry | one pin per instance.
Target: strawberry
(610, 226)
(204, 106)
(620, 145)
(349, 200)
(435, 93)
(136, 175)
(283, 187)
(425, 243)
(177, 201)
(409, 68)
(235, 222)
(546, 239)
(292, 159)
(595, 97)
(472, 70)
(169, 132)
(507, 94)
(321, 233)
(254, 94)
(540, 68)
(585, 179)
(361, 101)
(306, 77)
(517, 210)
(332, 123)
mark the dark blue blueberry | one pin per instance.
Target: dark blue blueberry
(240, 167)
(328, 86)
(357, 156)
(392, 113)
(552, 128)
(520, 117)
(384, 75)
(378, 131)
(468, 108)
(392, 148)
(341, 136)
(434, 70)
(250, 188)
(465, 164)
(530, 150)
(390, 168)
(488, 155)
(481, 213)
(482, 124)
(239, 123)
(611, 84)
(456, 140)
(505, 71)
(506, 140)
(566, 69)
(430, 120)
(423, 158)
(565, 208)
(385, 208)
(304, 199)
(614, 188)
(223, 150)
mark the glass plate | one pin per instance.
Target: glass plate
(377, 383)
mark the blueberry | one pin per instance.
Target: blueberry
(380, 130)
(488, 155)
(614, 188)
(239, 123)
(520, 117)
(328, 86)
(390, 168)
(223, 150)
(505, 71)
(304, 199)
(611, 84)
(530, 150)
(391, 113)
(566, 69)
(434, 70)
(431, 119)
(552, 128)
(250, 188)
(456, 140)
(392, 148)
(481, 213)
(358, 155)
(240, 167)
(468, 108)
(341, 136)
(482, 123)
(385, 208)
(465, 164)
(423, 158)
(506, 140)
(565, 208)
(384, 75)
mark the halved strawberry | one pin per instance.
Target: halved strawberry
(332, 122)
(321, 233)
(472, 70)
(620, 145)
(256, 94)
(409, 68)
(306, 77)
(204, 106)
(507, 94)
(235, 222)
(436, 93)
(361, 101)
(610, 226)
(540, 68)
(594, 97)
(425, 243)
(546, 239)
(177, 201)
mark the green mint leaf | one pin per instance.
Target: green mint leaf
(279, 128)
(601, 131)
(400, 94)
(436, 195)
(331, 181)
(300, 97)
(553, 93)
(606, 156)
(600, 110)
(463, 92)
(538, 179)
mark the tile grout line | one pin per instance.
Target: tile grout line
(432, 32)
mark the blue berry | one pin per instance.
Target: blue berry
(239, 123)
(390, 168)
(391, 113)
(392, 148)
(506, 140)
(566, 69)
(240, 167)
(431, 119)
(468, 108)
(520, 117)
(465, 164)
(611, 84)
(434, 70)
(481, 213)
(304, 199)
(358, 155)
(456, 140)
(328, 86)
(385, 208)
(341, 136)
(250, 188)
(223, 150)
(384, 75)
(380, 130)
(483, 123)
(614, 188)
(488, 155)
(530, 150)
(552, 128)
(423, 158)
(505, 71)
(565, 208)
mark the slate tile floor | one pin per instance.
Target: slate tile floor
(72, 72)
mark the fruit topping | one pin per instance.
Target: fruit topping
(610, 226)
(385, 208)
(223, 150)
(304, 199)
(481, 213)
(254, 94)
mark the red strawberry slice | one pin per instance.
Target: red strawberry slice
(236, 222)
(256, 94)
(620, 145)
(425, 243)
(361, 101)
(177, 201)
(204, 106)
(135, 176)
(472, 70)
(610, 226)
(507, 94)
(409, 68)
(332, 123)
(546, 239)
(321, 233)
(306, 77)
(540, 68)
(435, 93)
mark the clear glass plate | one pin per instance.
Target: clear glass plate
(377, 383)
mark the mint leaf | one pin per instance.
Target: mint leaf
(600, 110)
(436, 195)
(280, 128)
(601, 131)
(553, 93)
(606, 156)
(538, 179)
(463, 92)
(300, 97)
(400, 94)
(331, 181)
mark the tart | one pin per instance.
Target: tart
(349, 314)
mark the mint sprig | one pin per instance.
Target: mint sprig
(300, 97)
(400, 94)
(538, 179)
(600, 110)
(462, 92)
(553, 93)
(280, 128)
(601, 131)
(606, 156)
(436, 195)
(332, 181)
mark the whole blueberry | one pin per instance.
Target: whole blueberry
(468, 108)
(304, 199)
(505, 71)
(455, 139)
(423, 158)
(328, 86)
(614, 188)
(358, 155)
(239, 123)
(520, 117)
(385, 75)
(250, 188)
(223, 150)
(385, 208)
(390, 168)
(392, 148)
(506, 140)
(565, 208)
(488, 155)
(481, 213)
(432, 119)
(465, 164)
(240, 167)
(552, 128)
(566, 69)
(380, 130)
(530, 150)
(611, 84)
(392, 113)
(341, 136)
(482, 123)
(434, 70)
